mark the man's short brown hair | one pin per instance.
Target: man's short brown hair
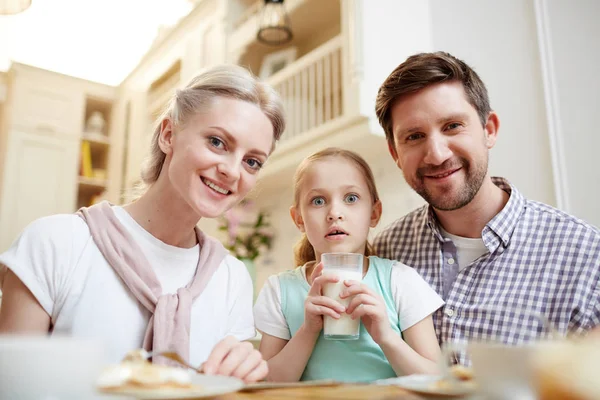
(425, 69)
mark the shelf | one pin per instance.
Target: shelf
(91, 183)
(96, 138)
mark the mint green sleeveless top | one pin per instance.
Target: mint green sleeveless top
(343, 360)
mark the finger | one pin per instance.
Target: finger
(363, 299)
(364, 310)
(220, 351)
(313, 309)
(316, 272)
(327, 302)
(355, 288)
(317, 285)
(251, 362)
(236, 356)
(258, 373)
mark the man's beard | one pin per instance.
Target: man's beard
(446, 200)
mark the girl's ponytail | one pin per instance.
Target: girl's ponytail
(303, 251)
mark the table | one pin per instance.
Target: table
(340, 392)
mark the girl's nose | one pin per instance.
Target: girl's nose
(335, 215)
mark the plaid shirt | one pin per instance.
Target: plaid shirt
(540, 260)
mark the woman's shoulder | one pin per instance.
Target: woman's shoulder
(55, 228)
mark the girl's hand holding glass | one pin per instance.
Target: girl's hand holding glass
(317, 305)
(369, 306)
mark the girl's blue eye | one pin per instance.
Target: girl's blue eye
(351, 198)
(318, 201)
(254, 164)
(216, 142)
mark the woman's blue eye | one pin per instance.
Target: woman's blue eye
(253, 163)
(216, 142)
(318, 201)
(351, 198)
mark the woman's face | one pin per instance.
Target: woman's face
(213, 160)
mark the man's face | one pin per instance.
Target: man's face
(440, 144)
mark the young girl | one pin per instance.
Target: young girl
(143, 274)
(335, 204)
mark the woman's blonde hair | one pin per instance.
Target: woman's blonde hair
(230, 81)
(303, 250)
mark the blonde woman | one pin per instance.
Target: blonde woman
(143, 274)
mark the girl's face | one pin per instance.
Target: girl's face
(213, 160)
(335, 208)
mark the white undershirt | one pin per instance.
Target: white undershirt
(467, 249)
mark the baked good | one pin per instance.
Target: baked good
(135, 372)
(568, 370)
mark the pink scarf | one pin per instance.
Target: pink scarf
(169, 326)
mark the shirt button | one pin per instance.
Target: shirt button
(449, 311)
(451, 261)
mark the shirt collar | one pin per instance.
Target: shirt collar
(498, 229)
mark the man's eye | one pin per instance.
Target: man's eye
(414, 136)
(453, 125)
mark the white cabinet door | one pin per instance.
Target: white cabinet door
(40, 178)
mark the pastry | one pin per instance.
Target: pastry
(135, 372)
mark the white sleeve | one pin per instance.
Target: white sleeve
(267, 310)
(241, 321)
(414, 298)
(41, 258)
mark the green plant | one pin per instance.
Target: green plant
(249, 233)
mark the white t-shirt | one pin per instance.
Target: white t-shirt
(413, 297)
(56, 258)
(467, 249)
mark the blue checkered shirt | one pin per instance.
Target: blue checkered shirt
(539, 261)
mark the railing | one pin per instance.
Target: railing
(311, 89)
(252, 10)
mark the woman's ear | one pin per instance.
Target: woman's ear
(297, 218)
(165, 137)
(376, 213)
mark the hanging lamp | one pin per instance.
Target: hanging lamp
(274, 24)
(11, 7)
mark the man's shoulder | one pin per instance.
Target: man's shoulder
(415, 218)
(561, 223)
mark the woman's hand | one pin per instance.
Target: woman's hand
(316, 305)
(369, 306)
(231, 357)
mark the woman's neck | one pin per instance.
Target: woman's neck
(162, 213)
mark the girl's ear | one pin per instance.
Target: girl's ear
(297, 218)
(376, 213)
(165, 138)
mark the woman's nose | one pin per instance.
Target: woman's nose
(230, 169)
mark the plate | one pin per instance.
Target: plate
(430, 385)
(207, 386)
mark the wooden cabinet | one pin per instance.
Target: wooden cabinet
(55, 146)
(40, 178)
(46, 105)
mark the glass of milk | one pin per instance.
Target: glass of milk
(346, 266)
